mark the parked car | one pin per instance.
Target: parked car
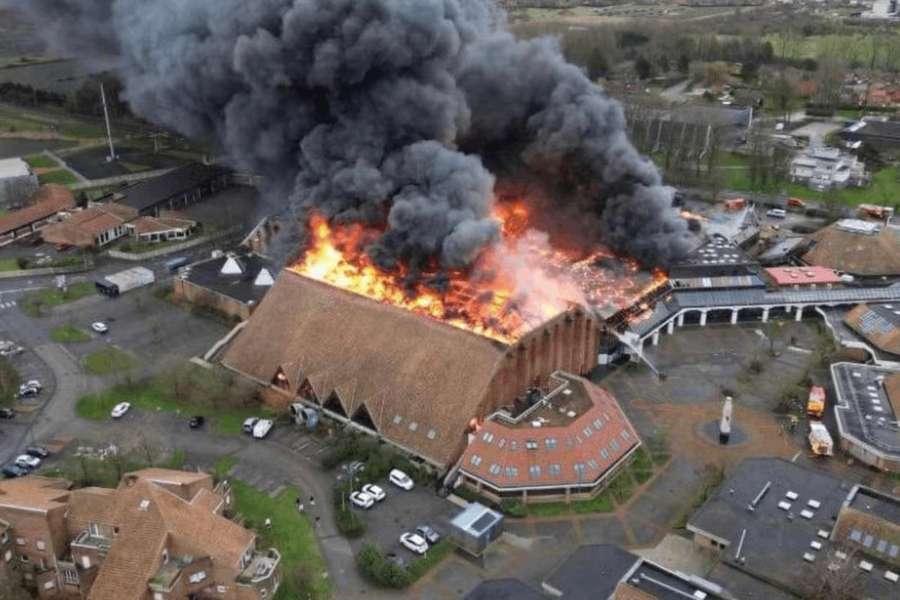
(7, 413)
(35, 383)
(414, 542)
(120, 409)
(38, 451)
(28, 391)
(8, 348)
(374, 491)
(100, 327)
(196, 422)
(362, 500)
(430, 535)
(13, 470)
(776, 213)
(249, 424)
(262, 428)
(26, 461)
(396, 559)
(400, 479)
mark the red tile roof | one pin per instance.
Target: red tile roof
(789, 276)
(506, 456)
(83, 227)
(49, 200)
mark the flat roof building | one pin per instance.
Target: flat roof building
(803, 277)
(776, 522)
(867, 408)
(174, 190)
(17, 181)
(232, 284)
(475, 527)
(718, 257)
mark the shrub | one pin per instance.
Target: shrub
(349, 523)
(375, 567)
(512, 508)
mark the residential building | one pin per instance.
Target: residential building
(568, 443)
(719, 257)
(17, 182)
(49, 201)
(167, 227)
(823, 168)
(231, 284)
(475, 527)
(160, 535)
(94, 227)
(174, 190)
(867, 408)
(785, 525)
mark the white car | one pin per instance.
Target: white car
(26, 461)
(374, 491)
(249, 424)
(414, 542)
(400, 479)
(262, 428)
(120, 409)
(362, 499)
(100, 327)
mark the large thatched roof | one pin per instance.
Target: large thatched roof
(420, 380)
(856, 253)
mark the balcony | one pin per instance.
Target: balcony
(93, 542)
(261, 567)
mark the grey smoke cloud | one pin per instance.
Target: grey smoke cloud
(377, 111)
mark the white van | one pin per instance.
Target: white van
(262, 428)
(777, 213)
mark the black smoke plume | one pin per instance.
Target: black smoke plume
(379, 111)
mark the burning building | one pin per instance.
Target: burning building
(418, 382)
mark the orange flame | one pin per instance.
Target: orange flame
(515, 285)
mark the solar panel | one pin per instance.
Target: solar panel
(483, 522)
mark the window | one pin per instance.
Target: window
(23, 558)
(855, 535)
(513, 445)
(554, 470)
(431, 434)
(49, 585)
(4, 538)
(501, 443)
(475, 460)
(197, 577)
(40, 545)
(512, 472)
(158, 596)
(94, 530)
(534, 471)
(587, 431)
(397, 419)
(20, 541)
(413, 426)
(86, 562)
(867, 541)
(487, 437)
(598, 424)
(625, 435)
(222, 589)
(70, 576)
(579, 470)
(531, 445)
(165, 556)
(614, 445)
(495, 469)
(604, 454)
(593, 464)
(550, 443)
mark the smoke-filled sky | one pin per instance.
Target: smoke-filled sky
(383, 111)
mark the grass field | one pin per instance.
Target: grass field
(69, 334)
(37, 304)
(292, 535)
(851, 47)
(46, 121)
(884, 188)
(107, 361)
(152, 396)
(60, 176)
(9, 264)
(41, 161)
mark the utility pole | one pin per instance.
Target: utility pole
(112, 149)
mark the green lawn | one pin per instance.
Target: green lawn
(60, 176)
(107, 361)
(9, 264)
(37, 303)
(41, 161)
(69, 334)
(292, 535)
(884, 188)
(152, 396)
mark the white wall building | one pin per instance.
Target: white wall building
(823, 168)
(17, 181)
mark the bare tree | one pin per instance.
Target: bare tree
(833, 577)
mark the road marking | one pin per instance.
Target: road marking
(28, 289)
(796, 456)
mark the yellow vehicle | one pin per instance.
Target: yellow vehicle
(815, 405)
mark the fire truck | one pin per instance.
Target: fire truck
(815, 405)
